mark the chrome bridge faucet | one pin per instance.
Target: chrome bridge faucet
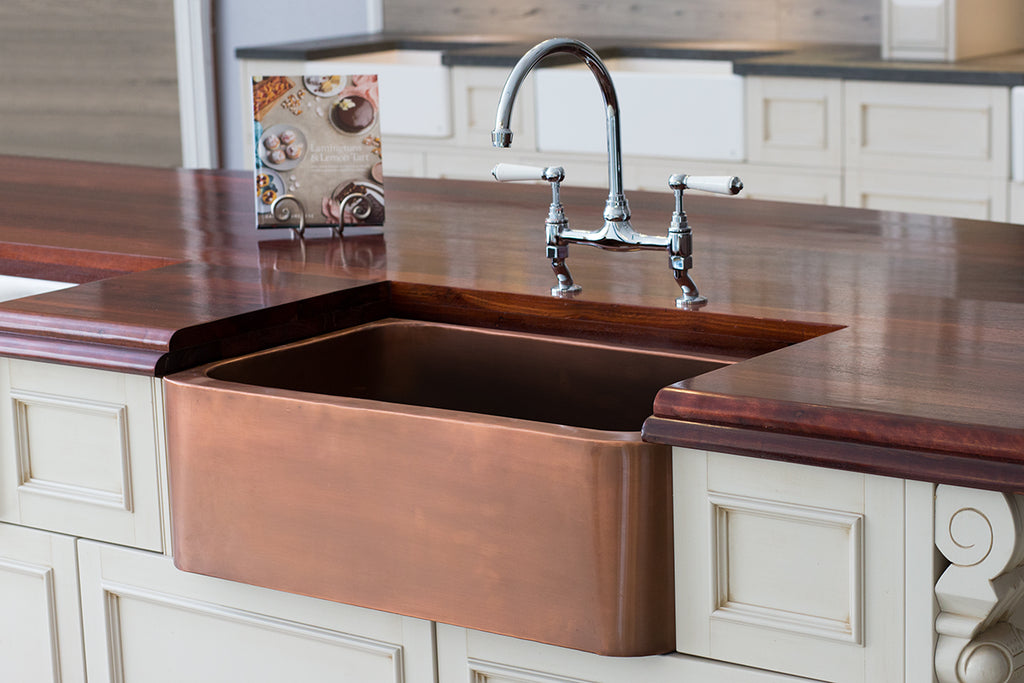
(617, 234)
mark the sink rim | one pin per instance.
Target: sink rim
(208, 373)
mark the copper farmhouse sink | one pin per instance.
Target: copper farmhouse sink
(463, 457)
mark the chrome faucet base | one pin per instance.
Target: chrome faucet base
(690, 302)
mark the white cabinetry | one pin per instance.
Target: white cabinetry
(789, 568)
(794, 140)
(954, 129)
(146, 621)
(940, 149)
(82, 452)
(795, 121)
(467, 656)
(1016, 203)
(948, 30)
(40, 632)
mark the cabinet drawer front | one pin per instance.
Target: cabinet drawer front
(81, 452)
(788, 568)
(951, 129)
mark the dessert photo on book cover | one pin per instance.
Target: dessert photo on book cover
(318, 153)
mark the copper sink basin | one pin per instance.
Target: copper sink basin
(462, 457)
(506, 374)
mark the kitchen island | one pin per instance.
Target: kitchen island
(908, 392)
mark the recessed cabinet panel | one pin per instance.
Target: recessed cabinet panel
(28, 643)
(86, 459)
(247, 646)
(960, 130)
(979, 198)
(756, 584)
(82, 452)
(794, 121)
(40, 632)
(788, 568)
(478, 657)
(919, 25)
(147, 621)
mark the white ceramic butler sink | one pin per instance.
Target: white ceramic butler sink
(674, 108)
(14, 287)
(415, 90)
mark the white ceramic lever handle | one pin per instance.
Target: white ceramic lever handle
(720, 184)
(506, 172)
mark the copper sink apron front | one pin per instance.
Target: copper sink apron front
(560, 534)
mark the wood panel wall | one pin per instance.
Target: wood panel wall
(89, 79)
(846, 21)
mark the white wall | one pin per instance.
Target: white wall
(247, 23)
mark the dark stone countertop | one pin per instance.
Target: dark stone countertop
(767, 58)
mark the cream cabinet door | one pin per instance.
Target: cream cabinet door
(789, 568)
(40, 631)
(82, 452)
(467, 656)
(954, 130)
(795, 121)
(147, 622)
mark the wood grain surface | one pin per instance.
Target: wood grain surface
(837, 21)
(90, 80)
(922, 366)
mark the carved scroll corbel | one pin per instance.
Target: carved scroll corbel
(981, 533)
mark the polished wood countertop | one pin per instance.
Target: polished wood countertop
(922, 378)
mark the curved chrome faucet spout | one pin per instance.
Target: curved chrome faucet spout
(616, 209)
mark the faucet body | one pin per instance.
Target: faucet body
(616, 209)
(617, 233)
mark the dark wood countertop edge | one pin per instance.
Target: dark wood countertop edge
(80, 354)
(835, 424)
(920, 465)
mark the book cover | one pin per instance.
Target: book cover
(318, 152)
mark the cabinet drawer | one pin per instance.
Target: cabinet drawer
(789, 568)
(950, 129)
(82, 452)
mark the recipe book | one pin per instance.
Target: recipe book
(317, 151)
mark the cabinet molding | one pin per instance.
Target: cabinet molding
(82, 452)
(108, 421)
(959, 130)
(117, 594)
(820, 567)
(40, 628)
(795, 121)
(42, 577)
(981, 533)
(146, 620)
(783, 607)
